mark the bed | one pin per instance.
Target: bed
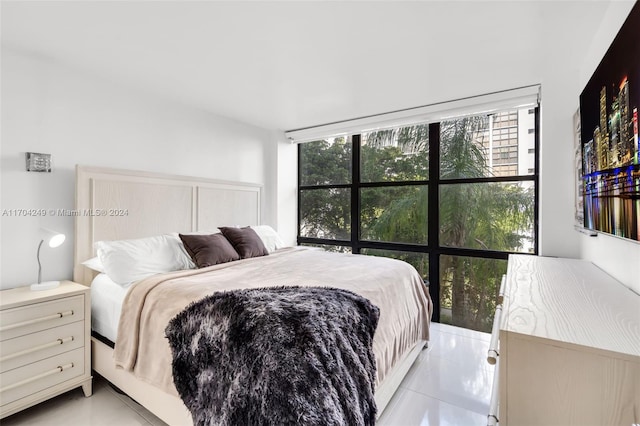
(133, 205)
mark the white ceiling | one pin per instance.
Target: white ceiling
(287, 65)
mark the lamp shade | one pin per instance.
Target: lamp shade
(52, 238)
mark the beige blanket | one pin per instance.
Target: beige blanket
(394, 286)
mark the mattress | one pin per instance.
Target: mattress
(106, 306)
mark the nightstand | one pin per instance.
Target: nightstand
(45, 345)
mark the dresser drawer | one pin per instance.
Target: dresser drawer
(40, 316)
(32, 347)
(36, 377)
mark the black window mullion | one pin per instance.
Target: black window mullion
(476, 253)
(496, 179)
(326, 186)
(393, 183)
(299, 191)
(433, 215)
(536, 188)
(449, 251)
(355, 194)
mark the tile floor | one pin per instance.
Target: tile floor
(449, 384)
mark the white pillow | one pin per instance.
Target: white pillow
(127, 261)
(269, 237)
(95, 264)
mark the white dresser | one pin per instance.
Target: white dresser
(44, 344)
(569, 345)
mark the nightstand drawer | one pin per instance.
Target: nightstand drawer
(26, 349)
(40, 316)
(32, 378)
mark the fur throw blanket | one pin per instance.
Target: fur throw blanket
(276, 356)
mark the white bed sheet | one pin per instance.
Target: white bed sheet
(106, 306)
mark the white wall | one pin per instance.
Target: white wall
(287, 193)
(559, 73)
(620, 258)
(84, 119)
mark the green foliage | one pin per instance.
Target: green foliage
(460, 157)
(468, 289)
(326, 162)
(396, 155)
(326, 213)
(396, 214)
(486, 216)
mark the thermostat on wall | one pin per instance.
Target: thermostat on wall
(37, 162)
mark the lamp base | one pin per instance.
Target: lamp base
(47, 285)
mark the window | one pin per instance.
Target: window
(400, 154)
(469, 306)
(394, 214)
(325, 213)
(453, 198)
(326, 162)
(324, 202)
(487, 215)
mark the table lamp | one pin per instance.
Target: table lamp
(53, 239)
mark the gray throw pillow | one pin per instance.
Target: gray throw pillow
(245, 240)
(208, 250)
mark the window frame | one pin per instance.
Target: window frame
(432, 248)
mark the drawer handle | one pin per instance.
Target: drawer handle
(501, 292)
(492, 418)
(37, 320)
(493, 353)
(56, 342)
(58, 369)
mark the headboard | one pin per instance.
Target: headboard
(116, 204)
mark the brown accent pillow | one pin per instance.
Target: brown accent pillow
(208, 250)
(245, 240)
